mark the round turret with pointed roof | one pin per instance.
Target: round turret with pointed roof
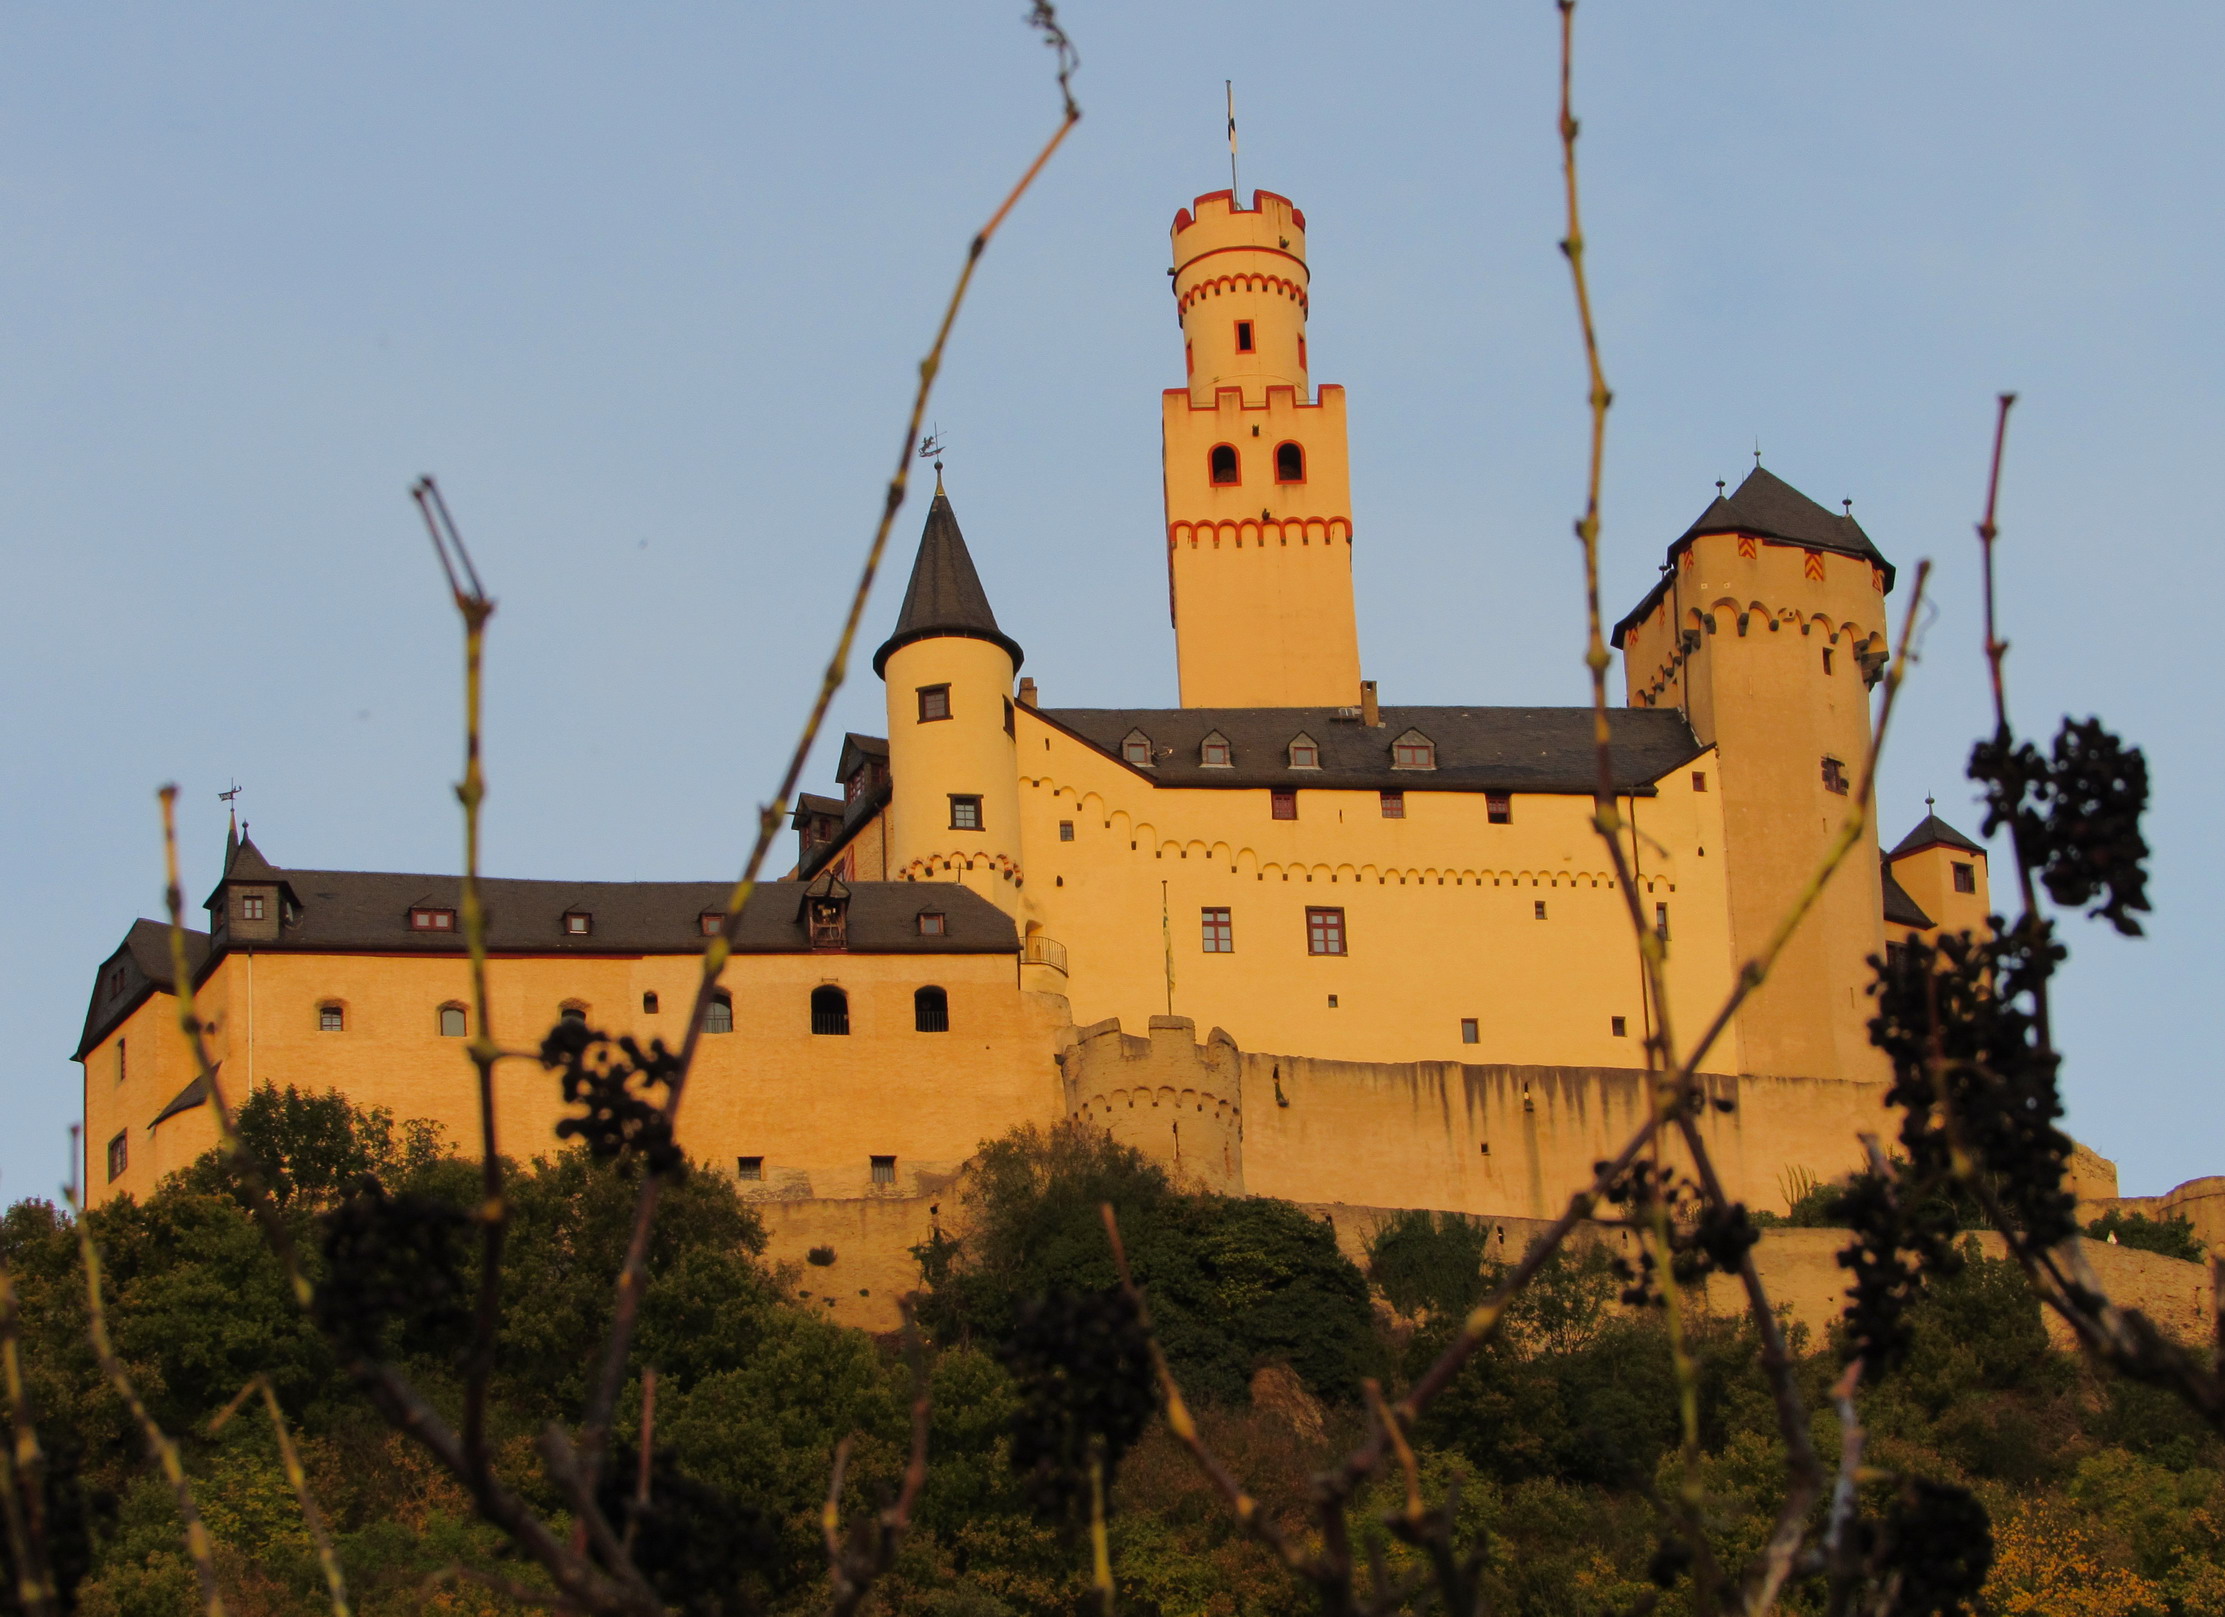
(945, 597)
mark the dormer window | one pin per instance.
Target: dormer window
(933, 923)
(1413, 750)
(426, 918)
(251, 906)
(709, 922)
(1214, 752)
(1221, 463)
(578, 923)
(1305, 753)
(826, 912)
(1135, 748)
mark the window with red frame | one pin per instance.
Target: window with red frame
(1222, 465)
(1217, 931)
(1282, 805)
(1290, 463)
(1324, 931)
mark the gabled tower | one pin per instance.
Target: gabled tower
(1767, 629)
(954, 806)
(1258, 486)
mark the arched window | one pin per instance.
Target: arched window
(718, 1016)
(1413, 750)
(830, 1010)
(1305, 753)
(931, 1011)
(1135, 748)
(649, 1002)
(332, 1017)
(1290, 464)
(455, 1022)
(1214, 752)
(1223, 464)
(573, 1011)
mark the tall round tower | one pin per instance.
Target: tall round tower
(954, 809)
(1258, 480)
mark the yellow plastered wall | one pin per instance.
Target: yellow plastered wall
(815, 1107)
(1928, 875)
(1738, 641)
(1440, 912)
(1259, 570)
(150, 1054)
(970, 753)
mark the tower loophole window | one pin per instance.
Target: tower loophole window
(830, 1010)
(1243, 336)
(1222, 464)
(454, 1022)
(930, 1011)
(1290, 464)
(718, 1016)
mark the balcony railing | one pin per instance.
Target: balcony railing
(1041, 951)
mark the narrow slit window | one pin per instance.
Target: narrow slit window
(1394, 805)
(455, 1022)
(934, 703)
(1244, 336)
(649, 1002)
(1468, 1031)
(1217, 932)
(1282, 805)
(1827, 659)
(718, 1016)
(122, 1067)
(830, 1010)
(1537, 908)
(1010, 723)
(1498, 808)
(1324, 931)
(1222, 465)
(1661, 922)
(930, 1011)
(1290, 463)
(1618, 1027)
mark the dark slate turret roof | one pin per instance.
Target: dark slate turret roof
(140, 965)
(1479, 749)
(1931, 832)
(945, 597)
(1900, 908)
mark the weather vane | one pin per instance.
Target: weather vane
(931, 446)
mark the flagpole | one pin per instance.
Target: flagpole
(1235, 202)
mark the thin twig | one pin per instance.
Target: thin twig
(328, 1558)
(854, 1567)
(633, 1275)
(24, 1482)
(160, 1448)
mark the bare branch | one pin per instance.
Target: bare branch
(23, 1478)
(328, 1559)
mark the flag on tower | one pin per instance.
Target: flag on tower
(1230, 86)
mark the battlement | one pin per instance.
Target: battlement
(1272, 224)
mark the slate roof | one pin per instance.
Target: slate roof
(811, 806)
(1506, 749)
(139, 966)
(945, 596)
(1931, 831)
(1768, 507)
(1900, 909)
(193, 1094)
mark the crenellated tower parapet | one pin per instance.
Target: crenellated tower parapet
(1176, 1101)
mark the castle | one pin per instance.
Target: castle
(1394, 924)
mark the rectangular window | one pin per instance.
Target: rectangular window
(932, 923)
(1498, 807)
(709, 922)
(934, 702)
(1394, 805)
(1066, 830)
(251, 906)
(119, 1155)
(1966, 878)
(1324, 931)
(331, 1019)
(1217, 931)
(884, 1170)
(1699, 780)
(1661, 922)
(749, 1167)
(965, 813)
(1834, 776)
(426, 919)
(1618, 1026)
(578, 924)
(1537, 908)
(1282, 805)
(1243, 336)
(1468, 1032)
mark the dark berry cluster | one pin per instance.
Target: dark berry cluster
(2074, 815)
(1705, 1236)
(389, 1259)
(1082, 1362)
(1930, 1555)
(611, 1079)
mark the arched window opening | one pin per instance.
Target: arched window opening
(454, 1022)
(649, 1003)
(718, 1016)
(1214, 752)
(830, 1010)
(931, 1011)
(573, 1011)
(1290, 463)
(332, 1017)
(1135, 748)
(1223, 464)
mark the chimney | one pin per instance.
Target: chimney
(1370, 714)
(1027, 693)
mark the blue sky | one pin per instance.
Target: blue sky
(645, 287)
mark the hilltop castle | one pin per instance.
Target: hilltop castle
(1394, 923)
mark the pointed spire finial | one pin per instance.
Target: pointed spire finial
(1929, 800)
(1718, 488)
(1849, 505)
(1757, 454)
